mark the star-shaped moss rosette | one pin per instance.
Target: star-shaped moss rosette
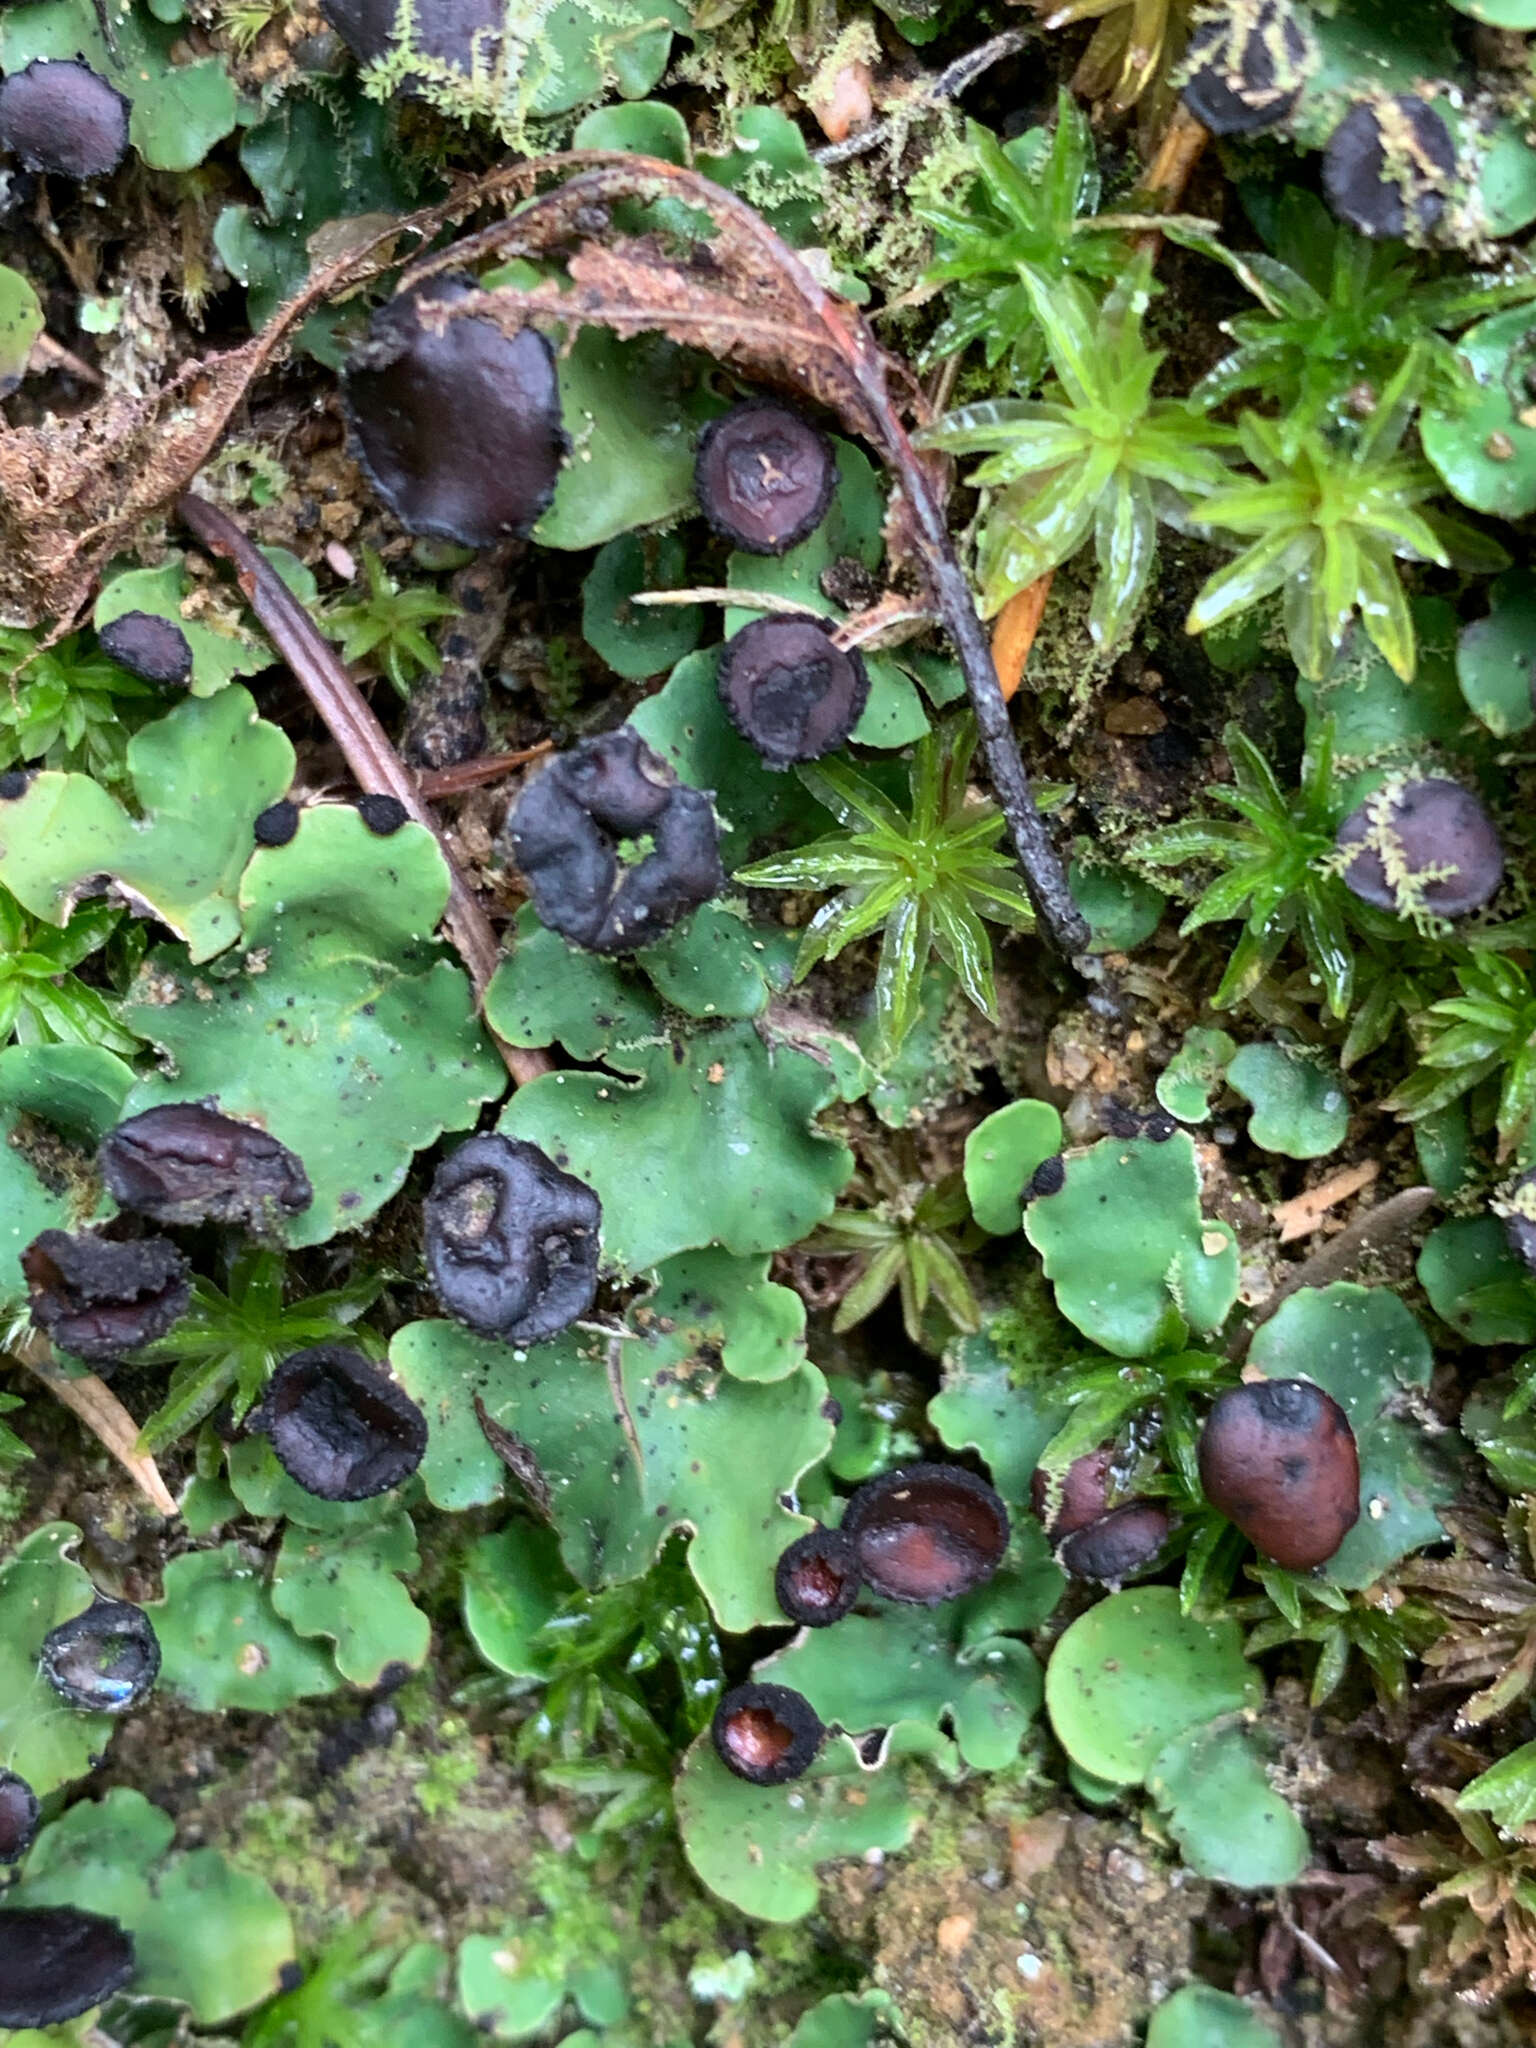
(201, 776)
(698, 1130)
(634, 1434)
(341, 1027)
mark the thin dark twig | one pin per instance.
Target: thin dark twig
(1044, 876)
(351, 723)
(944, 85)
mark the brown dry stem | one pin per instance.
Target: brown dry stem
(363, 741)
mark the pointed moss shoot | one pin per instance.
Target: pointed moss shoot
(1096, 455)
(929, 879)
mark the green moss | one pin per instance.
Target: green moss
(448, 1773)
(737, 64)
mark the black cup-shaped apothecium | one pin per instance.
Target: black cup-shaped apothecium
(185, 1163)
(1246, 67)
(105, 1660)
(1119, 1544)
(148, 646)
(818, 1578)
(1278, 1458)
(97, 1299)
(764, 476)
(57, 115)
(56, 1962)
(512, 1242)
(457, 423)
(451, 32)
(766, 1734)
(613, 847)
(789, 690)
(18, 1817)
(1387, 165)
(1084, 1492)
(1426, 844)
(340, 1427)
(926, 1533)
